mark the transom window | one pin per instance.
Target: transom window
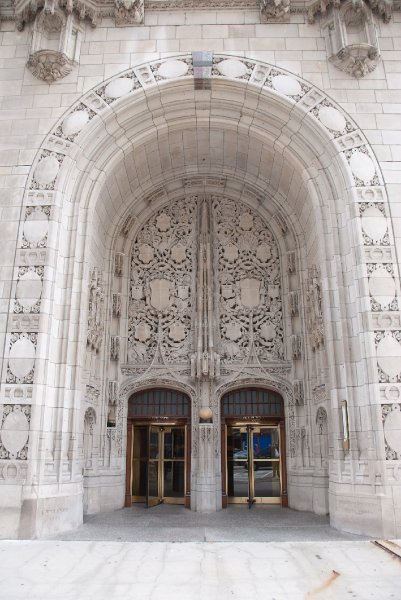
(159, 403)
(252, 402)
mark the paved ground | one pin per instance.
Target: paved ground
(168, 523)
(167, 553)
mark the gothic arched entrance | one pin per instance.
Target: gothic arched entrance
(158, 441)
(264, 147)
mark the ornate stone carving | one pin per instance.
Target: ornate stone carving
(115, 347)
(119, 263)
(352, 39)
(248, 278)
(162, 285)
(383, 8)
(56, 42)
(296, 346)
(14, 431)
(129, 12)
(299, 396)
(36, 227)
(96, 312)
(112, 403)
(322, 431)
(28, 290)
(21, 360)
(274, 11)
(391, 419)
(291, 261)
(116, 301)
(127, 225)
(92, 393)
(314, 308)
(293, 301)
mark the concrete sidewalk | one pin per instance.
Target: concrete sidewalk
(71, 570)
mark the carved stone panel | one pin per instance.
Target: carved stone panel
(162, 285)
(247, 289)
(14, 432)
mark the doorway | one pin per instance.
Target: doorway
(253, 448)
(253, 464)
(158, 442)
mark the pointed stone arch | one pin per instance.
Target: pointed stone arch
(306, 166)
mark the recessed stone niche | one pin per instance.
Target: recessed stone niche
(352, 40)
(55, 47)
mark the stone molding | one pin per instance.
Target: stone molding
(24, 11)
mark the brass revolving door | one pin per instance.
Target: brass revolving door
(253, 439)
(158, 459)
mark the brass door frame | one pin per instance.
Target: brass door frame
(161, 426)
(251, 427)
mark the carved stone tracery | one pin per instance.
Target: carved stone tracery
(249, 293)
(233, 279)
(162, 282)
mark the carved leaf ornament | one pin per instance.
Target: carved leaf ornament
(165, 284)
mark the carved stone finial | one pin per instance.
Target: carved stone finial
(274, 11)
(129, 12)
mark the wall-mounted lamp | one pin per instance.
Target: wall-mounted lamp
(344, 414)
(205, 415)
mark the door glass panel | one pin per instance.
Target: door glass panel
(266, 463)
(153, 488)
(178, 442)
(237, 462)
(139, 460)
(174, 479)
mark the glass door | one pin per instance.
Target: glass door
(154, 488)
(159, 469)
(253, 464)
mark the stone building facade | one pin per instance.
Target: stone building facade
(200, 202)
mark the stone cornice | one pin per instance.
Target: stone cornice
(24, 11)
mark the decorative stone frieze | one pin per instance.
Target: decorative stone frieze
(352, 39)
(274, 11)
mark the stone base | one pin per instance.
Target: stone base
(103, 494)
(44, 517)
(10, 511)
(300, 491)
(356, 514)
